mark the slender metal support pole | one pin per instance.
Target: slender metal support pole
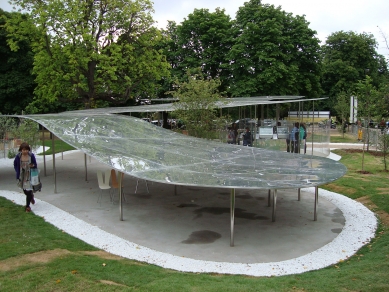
(120, 195)
(62, 155)
(299, 194)
(313, 123)
(86, 168)
(44, 152)
(54, 170)
(316, 203)
(232, 216)
(274, 205)
(268, 198)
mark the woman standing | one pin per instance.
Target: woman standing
(24, 161)
(303, 137)
(247, 139)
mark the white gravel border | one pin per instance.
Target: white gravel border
(359, 229)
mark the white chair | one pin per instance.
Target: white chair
(103, 180)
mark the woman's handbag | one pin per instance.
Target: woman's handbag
(35, 180)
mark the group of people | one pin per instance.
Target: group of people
(233, 136)
(297, 138)
(294, 143)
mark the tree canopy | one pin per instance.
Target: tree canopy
(202, 41)
(16, 81)
(347, 58)
(100, 53)
(90, 51)
(274, 53)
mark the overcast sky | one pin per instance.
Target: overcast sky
(325, 17)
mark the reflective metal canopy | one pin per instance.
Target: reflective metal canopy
(224, 103)
(148, 152)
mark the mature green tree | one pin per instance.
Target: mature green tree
(7, 125)
(347, 58)
(342, 107)
(91, 51)
(168, 44)
(27, 131)
(16, 81)
(370, 104)
(383, 146)
(202, 40)
(274, 53)
(197, 108)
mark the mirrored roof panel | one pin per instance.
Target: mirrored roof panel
(149, 152)
(168, 107)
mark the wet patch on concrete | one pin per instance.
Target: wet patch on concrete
(339, 220)
(187, 205)
(142, 196)
(193, 189)
(335, 213)
(260, 198)
(239, 213)
(244, 197)
(337, 230)
(337, 216)
(202, 237)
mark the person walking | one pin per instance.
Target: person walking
(235, 130)
(303, 136)
(231, 136)
(294, 139)
(247, 139)
(23, 162)
(360, 133)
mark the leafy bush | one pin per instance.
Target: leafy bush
(27, 131)
(12, 153)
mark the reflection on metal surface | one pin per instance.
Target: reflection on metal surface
(152, 153)
(167, 107)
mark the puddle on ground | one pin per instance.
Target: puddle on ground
(337, 216)
(244, 196)
(339, 220)
(202, 237)
(336, 230)
(141, 196)
(260, 198)
(335, 213)
(187, 205)
(239, 213)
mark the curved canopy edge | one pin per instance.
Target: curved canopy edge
(152, 153)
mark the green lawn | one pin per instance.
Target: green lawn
(59, 146)
(346, 138)
(63, 263)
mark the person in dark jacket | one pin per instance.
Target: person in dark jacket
(247, 139)
(294, 138)
(24, 161)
